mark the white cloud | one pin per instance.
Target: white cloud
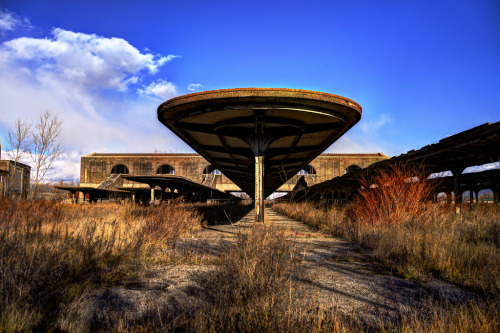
(162, 89)
(484, 167)
(194, 86)
(369, 127)
(346, 145)
(67, 167)
(85, 59)
(7, 21)
(366, 137)
(91, 82)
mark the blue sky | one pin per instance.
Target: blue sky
(421, 70)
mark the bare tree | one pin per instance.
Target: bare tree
(19, 143)
(45, 146)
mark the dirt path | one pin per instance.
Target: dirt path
(339, 274)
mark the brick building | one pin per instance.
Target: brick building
(102, 168)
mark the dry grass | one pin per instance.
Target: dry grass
(253, 290)
(436, 317)
(51, 252)
(461, 248)
(420, 239)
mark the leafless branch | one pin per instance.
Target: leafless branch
(18, 145)
(19, 140)
(46, 146)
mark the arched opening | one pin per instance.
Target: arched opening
(119, 169)
(486, 196)
(351, 168)
(165, 169)
(307, 170)
(211, 170)
(210, 174)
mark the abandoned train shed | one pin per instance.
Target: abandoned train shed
(101, 169)
(261, 140)
(454, 154)
(118, 175)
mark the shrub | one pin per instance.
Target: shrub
(392, 197)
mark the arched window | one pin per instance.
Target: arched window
(351, 168)
(119, 169)
(211, 170)
(165, 169)
(307, 170)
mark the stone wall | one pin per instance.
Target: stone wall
(96, 167)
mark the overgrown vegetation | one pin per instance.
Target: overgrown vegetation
(51, 252)
(393, 218)
(419, 238)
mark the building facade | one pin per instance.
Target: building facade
(14, 178)
(98, 169)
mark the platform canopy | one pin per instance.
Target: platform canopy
(182, 184)
(259, 137)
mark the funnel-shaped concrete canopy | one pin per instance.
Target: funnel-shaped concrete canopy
(259, 137)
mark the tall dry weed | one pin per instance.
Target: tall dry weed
(392, 197)
(50, 252)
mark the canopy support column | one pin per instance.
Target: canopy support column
(152, 202)
(259, 189)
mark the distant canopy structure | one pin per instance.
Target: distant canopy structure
(259, 137)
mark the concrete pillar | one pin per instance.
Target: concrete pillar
(133, 197)
(152, 200)
(259, 189)
(162, 193)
